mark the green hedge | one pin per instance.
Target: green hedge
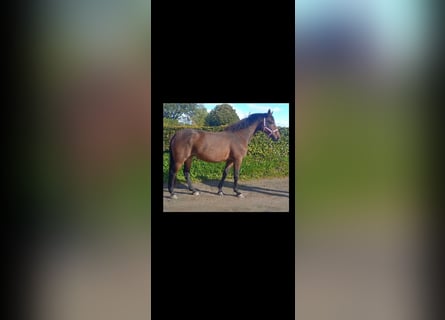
(265, 158)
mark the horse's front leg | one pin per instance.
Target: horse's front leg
(235, 178)
(229, 164)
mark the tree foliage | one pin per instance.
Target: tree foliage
(183, 112)
(221, 115)
(199, 116)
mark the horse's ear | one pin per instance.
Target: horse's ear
(269, 112)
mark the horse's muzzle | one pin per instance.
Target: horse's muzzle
(276, 135)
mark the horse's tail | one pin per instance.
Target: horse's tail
(170, 151)
(172, 164)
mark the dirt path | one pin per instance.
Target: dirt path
(265, 195)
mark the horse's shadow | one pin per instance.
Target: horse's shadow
(245, 187)
(182, 188)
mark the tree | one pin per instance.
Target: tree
(199, 116)
(179, 111)
(222, 114)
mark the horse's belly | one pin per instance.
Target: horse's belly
(213, 156)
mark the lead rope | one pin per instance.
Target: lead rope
(265, 128)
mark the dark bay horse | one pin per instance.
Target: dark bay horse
(229, 145)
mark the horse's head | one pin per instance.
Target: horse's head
(269, 127)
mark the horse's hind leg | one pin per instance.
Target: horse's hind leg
(229, 163)
(187, 166)
(174, 168)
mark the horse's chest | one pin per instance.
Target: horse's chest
(238, 152)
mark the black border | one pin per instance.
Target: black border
(222, 264)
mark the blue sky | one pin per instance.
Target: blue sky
(280, 110)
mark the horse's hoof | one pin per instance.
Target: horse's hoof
(196, 193)
(220, 194)
(240, 195)
(174, 196)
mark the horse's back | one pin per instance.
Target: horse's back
(194, 134)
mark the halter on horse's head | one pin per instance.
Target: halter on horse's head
(272, 131)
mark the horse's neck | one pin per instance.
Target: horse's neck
(247, 133)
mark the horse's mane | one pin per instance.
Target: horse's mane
(246, 122)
